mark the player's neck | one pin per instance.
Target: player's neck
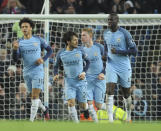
(114, 29)
(27, 36)
(89, 44)
(69, 48)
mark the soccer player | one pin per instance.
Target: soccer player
(29, 49)
(72, 58)
(119, 45)
(96, 84)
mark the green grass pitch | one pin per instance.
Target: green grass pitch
(13, 125)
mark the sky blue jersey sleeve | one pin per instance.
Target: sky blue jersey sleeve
(57, 63)
(130, 44)
(45, 46)
(16, 53)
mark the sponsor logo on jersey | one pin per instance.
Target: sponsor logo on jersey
(95, 54)
(35, 44)
(118, 40)
(77, 55)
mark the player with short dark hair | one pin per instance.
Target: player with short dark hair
(119, 46)
(72, 58)
(29, 49)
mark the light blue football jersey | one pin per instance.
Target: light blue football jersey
(94, 54)
(95, 88)
(120, 40)
(72, 62)
(30, 52)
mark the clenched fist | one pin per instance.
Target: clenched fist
(55, 78)
(101, 76)
(15, 45)
(39, 61)
(82, 76)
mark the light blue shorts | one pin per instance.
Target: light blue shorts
(96, 90)
(123, 78)
(76, 89)
(34, 81)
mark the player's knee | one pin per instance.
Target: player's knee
(98, 106)
(83, 106)
(126, 96)
(110, 88)
(110, 91)
(35, 96)
(70, 104)
(126, 92)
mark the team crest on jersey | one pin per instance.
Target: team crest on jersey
(95, 54)
(77, 55)
(118, 40)
(35, 44)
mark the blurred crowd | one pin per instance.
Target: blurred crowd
(81, 6)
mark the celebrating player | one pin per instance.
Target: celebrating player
(119, 46)
(72, 59)
(96, 85)
(29, 49)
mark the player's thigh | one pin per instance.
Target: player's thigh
(99, 91)
(35, 93)
(82, 93)
(70, 93)
(90, 89)
(38, 81)
(125, 79)
(111, 76)
(28, 82)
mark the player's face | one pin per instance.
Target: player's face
(74, 42)
(85, 37)
(112, 21)
(26, 29)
